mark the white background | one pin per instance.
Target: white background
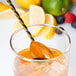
(6, 29)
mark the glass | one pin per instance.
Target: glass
(52, 67)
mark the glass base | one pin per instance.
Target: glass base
(15, 74)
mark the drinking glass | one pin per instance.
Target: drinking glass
(48, 67)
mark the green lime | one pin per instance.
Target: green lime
(55, 7)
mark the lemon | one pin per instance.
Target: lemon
(35, 16)
(26, 3)
(8, 14)
(25, 18)
(50, 33)
(3, 7)
(49, 19)
(35, 30)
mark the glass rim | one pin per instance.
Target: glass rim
(26, 59)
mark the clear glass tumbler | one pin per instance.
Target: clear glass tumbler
(51, 67)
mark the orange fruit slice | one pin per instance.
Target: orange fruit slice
(39, 50)
(25, 53)
(56, 52)
(36, 51)
(42, 54)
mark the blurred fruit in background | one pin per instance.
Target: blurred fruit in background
(7, 13)
(60, 19)
(73, 1)
(49, 19)
(70, 17)
(36, 15)
(26, 3)
(3, 7)
(73, 24)
(25, 18)
(55, 7)
(56, 14)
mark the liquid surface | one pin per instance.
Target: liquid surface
(54, 67)
(26, 53)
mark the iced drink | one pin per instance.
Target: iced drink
(26, 65)
(56, 67)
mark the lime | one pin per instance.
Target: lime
(55, 7)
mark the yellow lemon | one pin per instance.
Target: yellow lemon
(8, 14)
(26, 3)
(49, 19)
(50, 33)
(25, 18)
(3, 7)
(35, 30)
(35, 16)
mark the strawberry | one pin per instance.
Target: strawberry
(69, 17)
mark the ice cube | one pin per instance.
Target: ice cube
(57, 69)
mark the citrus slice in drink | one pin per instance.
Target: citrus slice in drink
(25, 53)
(8, 14)
(56, 52)
(60, 59)
(46, 53)
(38, 50)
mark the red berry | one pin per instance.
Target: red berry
(69, 17)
